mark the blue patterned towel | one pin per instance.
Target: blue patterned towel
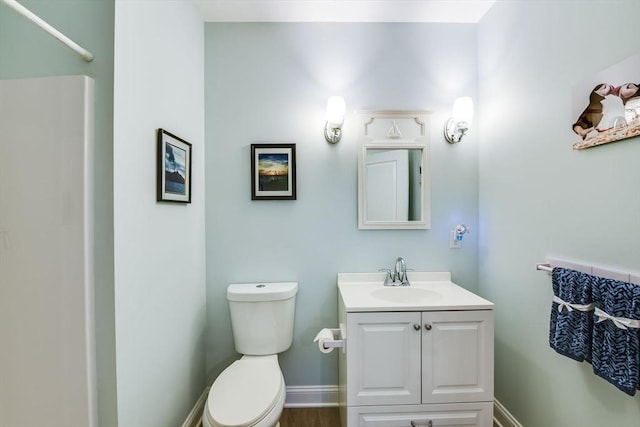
(616, 342)
(571, 320)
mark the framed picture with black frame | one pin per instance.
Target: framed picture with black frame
(174, 168)
(273, 171)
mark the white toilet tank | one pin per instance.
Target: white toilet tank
(262, 316)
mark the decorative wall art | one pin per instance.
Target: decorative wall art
(606, 107)
(174, 168)
(273, 171)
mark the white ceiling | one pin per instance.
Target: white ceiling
(450, 11)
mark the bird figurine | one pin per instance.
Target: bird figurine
(592, 115)
(628, 91)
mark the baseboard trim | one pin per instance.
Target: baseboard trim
(194, 418)
(502, 417)
(314, 396)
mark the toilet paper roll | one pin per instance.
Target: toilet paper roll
(324, 335)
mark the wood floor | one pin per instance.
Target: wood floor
(310, 417)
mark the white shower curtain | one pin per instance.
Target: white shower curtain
(47, 333)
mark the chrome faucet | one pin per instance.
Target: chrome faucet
(399, 275)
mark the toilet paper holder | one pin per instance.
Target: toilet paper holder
(329, 339)
(337, 342)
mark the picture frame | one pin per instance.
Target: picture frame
(173, 168)
(273, 171)
(606, 106)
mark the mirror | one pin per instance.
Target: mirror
(393, 175)
(393, 186)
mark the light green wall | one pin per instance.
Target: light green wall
(270, 83)
(539, 198)
(159, 262)
(536, 198)
(27, 51)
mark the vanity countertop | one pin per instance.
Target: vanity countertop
(429, 291)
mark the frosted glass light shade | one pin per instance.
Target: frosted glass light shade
(463, 109)
(335, 110)
(458, 125)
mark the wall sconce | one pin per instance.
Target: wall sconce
(335, 119)
(458, 125)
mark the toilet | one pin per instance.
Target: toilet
(251, 391)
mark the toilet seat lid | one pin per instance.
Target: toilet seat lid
(245, 392)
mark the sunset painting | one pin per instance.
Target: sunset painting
(273, 171)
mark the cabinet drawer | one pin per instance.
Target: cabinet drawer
(450, 415)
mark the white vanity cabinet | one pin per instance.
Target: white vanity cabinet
(427, 366)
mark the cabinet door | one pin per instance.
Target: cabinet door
(383, 355)
(449, 414)
(457, 356)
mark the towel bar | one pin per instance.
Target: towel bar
(608, 273)
(544, 267)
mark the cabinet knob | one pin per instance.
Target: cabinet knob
(427, 326)
(427, 423)
(416, 326)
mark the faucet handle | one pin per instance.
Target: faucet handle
(386, 270)
(388, 279)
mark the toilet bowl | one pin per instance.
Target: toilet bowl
(250, 392)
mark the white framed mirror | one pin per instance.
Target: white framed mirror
(393, 173)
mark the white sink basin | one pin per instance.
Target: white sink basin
(429, 291)
(406, 294)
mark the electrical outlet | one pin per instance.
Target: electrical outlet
(453, 242)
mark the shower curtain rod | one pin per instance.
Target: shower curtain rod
(85, 54)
